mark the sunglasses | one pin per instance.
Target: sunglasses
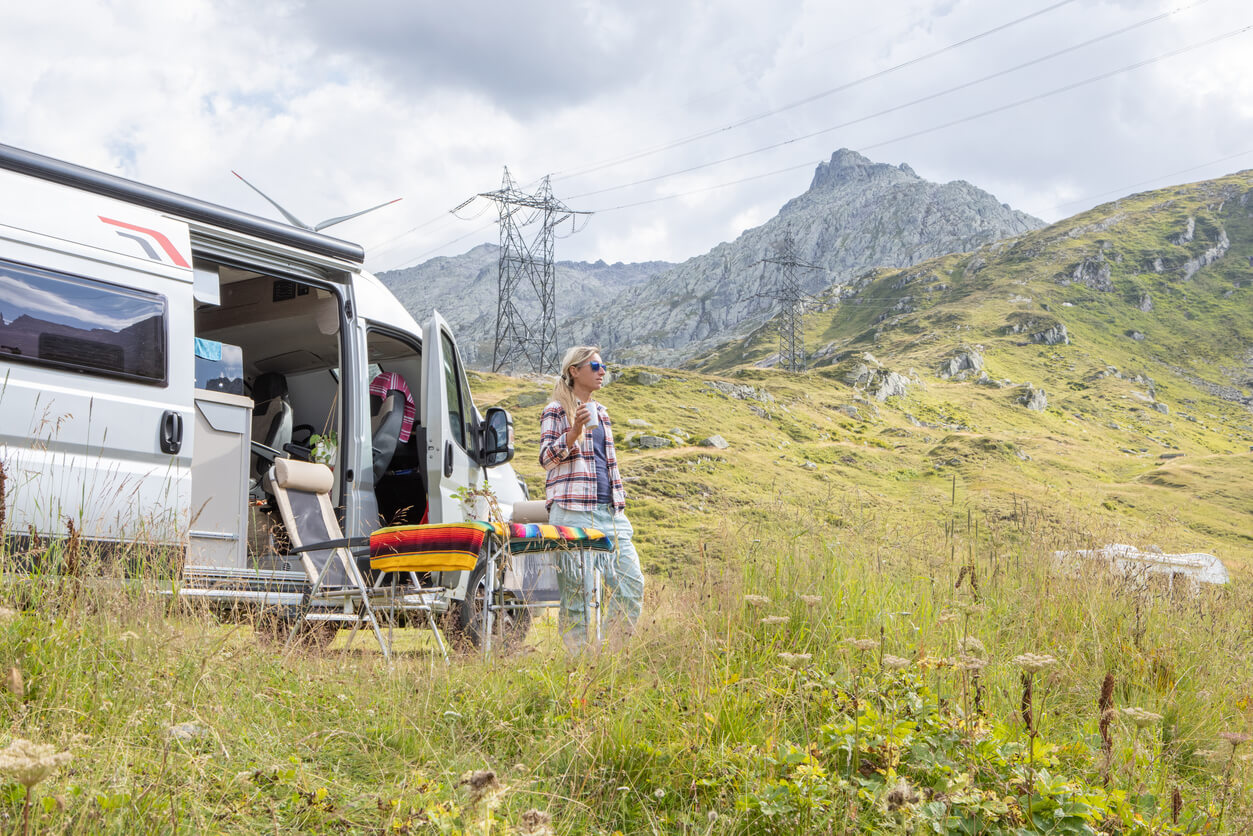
(596, 367)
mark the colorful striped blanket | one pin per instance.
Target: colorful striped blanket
(452, 547)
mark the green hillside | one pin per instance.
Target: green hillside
(1143, 436)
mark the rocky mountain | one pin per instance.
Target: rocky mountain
(463, 288)
(856, 215)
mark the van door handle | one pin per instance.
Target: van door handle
(448, 458)
(171, 432)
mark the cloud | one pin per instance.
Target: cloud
(332, 107)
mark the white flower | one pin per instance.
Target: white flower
(29, 763)
(659, 793)
(862, 644)
(973, 646)
(771, 620)
(1031, 663)
(895, 662)
(970, 663)
(795, 659)
(1140, 717)
(756, 600)
(810, 600)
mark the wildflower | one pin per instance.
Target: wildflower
(1140, 717)
(966, 662)
(895, 662)
(1031, 663)
(811, 600)
(948, 616)
(771, 620)
(795, 659)
(534, 823)
(756, 600)
(972, 646)
(1235, 738)
(29, 763)
(862, 644)
(900, 795)
(485, 789)
(659, 793)
(929, 662)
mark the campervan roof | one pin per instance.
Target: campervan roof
(181, 206)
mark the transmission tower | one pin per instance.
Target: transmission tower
(791, 302)
(525, 262)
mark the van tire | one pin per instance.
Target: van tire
(468, 614)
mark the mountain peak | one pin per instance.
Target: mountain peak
(847, 166)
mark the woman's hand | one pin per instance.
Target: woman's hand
(582, 417)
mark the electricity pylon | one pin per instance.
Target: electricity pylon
(517, 337)
(791, 302)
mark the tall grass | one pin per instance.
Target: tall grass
(723, 715)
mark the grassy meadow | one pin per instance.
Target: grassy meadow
(861, 678)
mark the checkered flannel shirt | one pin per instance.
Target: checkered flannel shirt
(572, 471)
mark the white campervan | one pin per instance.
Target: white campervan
(158, 352)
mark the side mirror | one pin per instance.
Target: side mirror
(495, 437)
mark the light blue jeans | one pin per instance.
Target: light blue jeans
(624, 581)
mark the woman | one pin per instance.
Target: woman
(584, 489)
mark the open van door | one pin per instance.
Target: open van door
(451, 423)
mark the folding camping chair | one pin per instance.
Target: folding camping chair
(302, 493)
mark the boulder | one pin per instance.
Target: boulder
(968, 360)
(1033, 398)
(644, 378)
(652, 442)
(891, 385)
(715, 441)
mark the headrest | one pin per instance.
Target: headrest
(269, 386)
(295, 475)
(530, 511)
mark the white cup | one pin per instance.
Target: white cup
(594, 414)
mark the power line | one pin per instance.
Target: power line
(991, 111)
(894, 109)
(808, 99)
(1121, 191)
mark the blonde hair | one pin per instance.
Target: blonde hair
(563, 391)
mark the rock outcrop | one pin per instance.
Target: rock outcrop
(856, 214)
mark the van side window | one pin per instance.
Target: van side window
(460, 407)
(453, 391)
(78, 324)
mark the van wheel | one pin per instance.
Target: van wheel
(511, 625)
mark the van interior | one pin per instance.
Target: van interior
(287, 336)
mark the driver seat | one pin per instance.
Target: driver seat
(392, 413)
(271, 416)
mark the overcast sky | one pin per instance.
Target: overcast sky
(331, 106)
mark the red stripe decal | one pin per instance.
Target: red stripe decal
(169, 248)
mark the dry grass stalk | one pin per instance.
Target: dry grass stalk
(69, 565)
(3, 479)
(1105, 708)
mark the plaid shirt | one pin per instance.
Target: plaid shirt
(572, 472)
